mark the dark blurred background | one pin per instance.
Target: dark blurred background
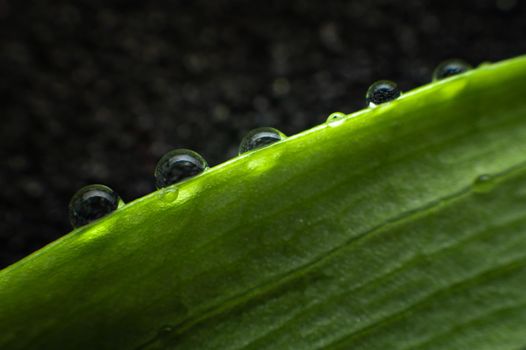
(96, 91)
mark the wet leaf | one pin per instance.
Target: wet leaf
(398, 227)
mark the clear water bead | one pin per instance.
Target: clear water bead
(449, 68)
(259, 138)
(91, 203)
(381, 92)
(178, 165)
(484, 183)
(336, 116)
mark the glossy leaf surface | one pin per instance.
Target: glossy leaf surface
(398, 227)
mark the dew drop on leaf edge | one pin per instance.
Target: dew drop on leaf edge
(260, 137)
(449, 68)
(169, 194)
(335, 117)
(177, 165)
(92, 202)
(381, 92)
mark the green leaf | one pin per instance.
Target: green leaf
(402, 226)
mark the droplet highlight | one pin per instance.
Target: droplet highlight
(381, 92)
(335, 117)
(165, 331)
(483, 184)
(449, 68)
(169, 194)
(91, 203)
(178, 165)
(259, 138)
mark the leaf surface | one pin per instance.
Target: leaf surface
(400, 227)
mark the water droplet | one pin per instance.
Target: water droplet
(163, 336)
(381, 92)
(449, 68)
(91, 203)
(483, 184)
(169, 194)
(259, 138)
(165, 331)
(336, 116)
(178, 165)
